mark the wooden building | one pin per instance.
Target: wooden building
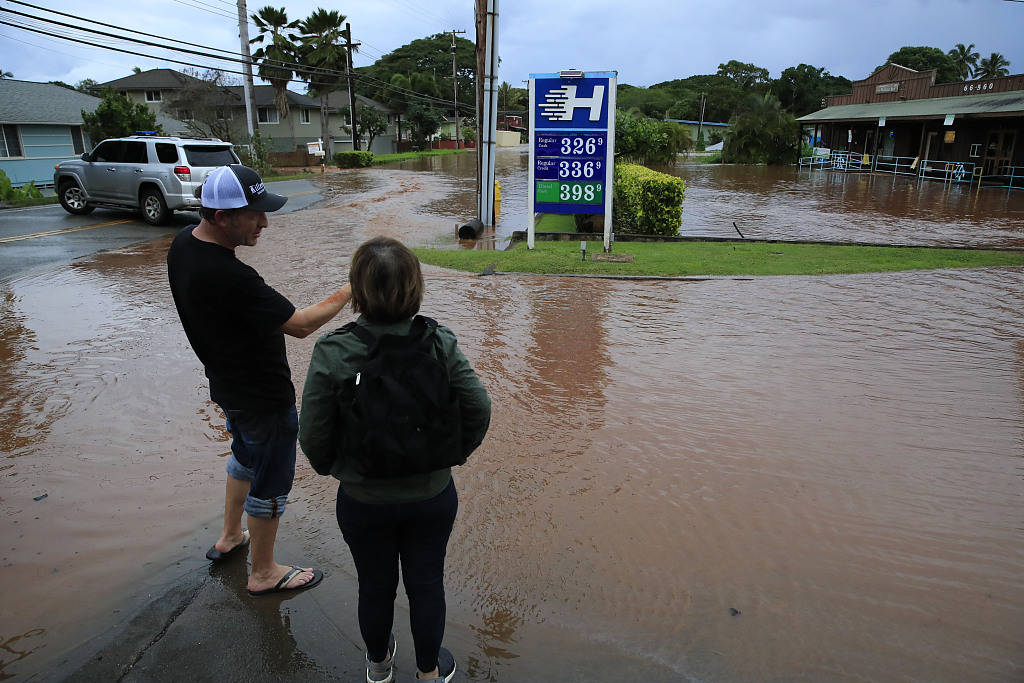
(901, 114)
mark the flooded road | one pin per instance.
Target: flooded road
(790, 478)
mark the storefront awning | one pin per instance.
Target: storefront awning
(988, 104)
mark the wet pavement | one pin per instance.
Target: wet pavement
(785, 478)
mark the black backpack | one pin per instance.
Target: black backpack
(399, 413)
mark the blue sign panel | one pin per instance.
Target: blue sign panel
(571, 103)
(570, 150)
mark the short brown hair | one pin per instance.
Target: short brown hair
(387, 285)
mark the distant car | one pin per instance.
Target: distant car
(155, 174)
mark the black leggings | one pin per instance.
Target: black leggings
(379, 536)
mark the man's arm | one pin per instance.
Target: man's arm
(308, 320)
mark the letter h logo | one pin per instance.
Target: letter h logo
(560, 103)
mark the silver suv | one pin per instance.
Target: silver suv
(156, 174)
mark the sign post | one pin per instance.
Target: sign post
(572, 146)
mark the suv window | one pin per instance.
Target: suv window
(166, 153)
(110, 151)
(135, 153)
(210, 155)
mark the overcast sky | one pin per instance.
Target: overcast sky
(646, 41)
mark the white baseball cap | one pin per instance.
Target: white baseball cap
(238, 187)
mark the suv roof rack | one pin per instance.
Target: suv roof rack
(148, 135)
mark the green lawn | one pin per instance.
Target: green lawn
(403, 156)
(28, 201)
(718, 258)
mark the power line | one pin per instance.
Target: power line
(311, 83)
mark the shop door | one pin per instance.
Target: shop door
(999, 150)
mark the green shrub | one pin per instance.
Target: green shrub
(353, 159)
(647, 202)
(9, 192)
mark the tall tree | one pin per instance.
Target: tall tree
(763, 132)
(802, 88)
(323, 48)
(208, 100)
(371, 123)
(6, 74)
(923, 58)
(430, 56)
(993, 66)
(276, 58)
(965, 59)
(117, 116)
(745, 75)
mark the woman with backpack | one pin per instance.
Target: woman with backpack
(390, 404)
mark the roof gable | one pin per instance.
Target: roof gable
(154, 79)
(29, 102)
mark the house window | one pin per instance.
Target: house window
(976, 150)
(223, 114)
(152, 95)
(185, 115)
(10, 145)
(76, 139)
(303, 116)
(266, 114)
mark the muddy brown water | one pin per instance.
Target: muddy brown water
(791, 478)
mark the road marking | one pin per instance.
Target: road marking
(295, 194)
(16, 238)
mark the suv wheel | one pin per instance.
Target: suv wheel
(154, 208)
(73, 199)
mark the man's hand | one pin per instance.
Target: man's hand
(306, 321)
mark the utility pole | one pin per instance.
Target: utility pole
(351, 91)
(455, 85)
(487, 103)
(250, 101)
(700, 124)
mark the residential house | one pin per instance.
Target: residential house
(158, 89)
(338, 124)
(42, 126)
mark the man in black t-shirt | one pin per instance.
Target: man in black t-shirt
(236, 324)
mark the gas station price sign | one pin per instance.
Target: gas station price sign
(571, 142)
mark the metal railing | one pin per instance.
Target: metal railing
(1009, 177)
(947, 171)
(849, 162)
(814, 162)
(896, 165)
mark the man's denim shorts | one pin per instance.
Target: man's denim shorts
(263, 453)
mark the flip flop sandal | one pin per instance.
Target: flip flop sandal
(216, 555)
(318, 576)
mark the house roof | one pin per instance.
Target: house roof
(154, 79)
(28, 102)
(264, 96)
(339, 100)
(697, 123)
(995, 103)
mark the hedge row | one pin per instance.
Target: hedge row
(353, 159)
(647, 202)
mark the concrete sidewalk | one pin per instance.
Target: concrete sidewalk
(195, 621)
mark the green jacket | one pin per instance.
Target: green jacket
(338, 356)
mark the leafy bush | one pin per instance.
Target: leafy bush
(647, 141)
(762, 133)
(8, 192)
(117, 116)
(353, 159)
(647, 202)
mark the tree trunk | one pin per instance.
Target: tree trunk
(324, 132)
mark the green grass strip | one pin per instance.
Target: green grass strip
(28, 201)
(403, 156)
(718, 258)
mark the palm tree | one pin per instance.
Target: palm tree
(965, 59)
(323, 48)
(276, 59)
(994, 66)
(6, 74)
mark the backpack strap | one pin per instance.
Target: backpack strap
(364, 334)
